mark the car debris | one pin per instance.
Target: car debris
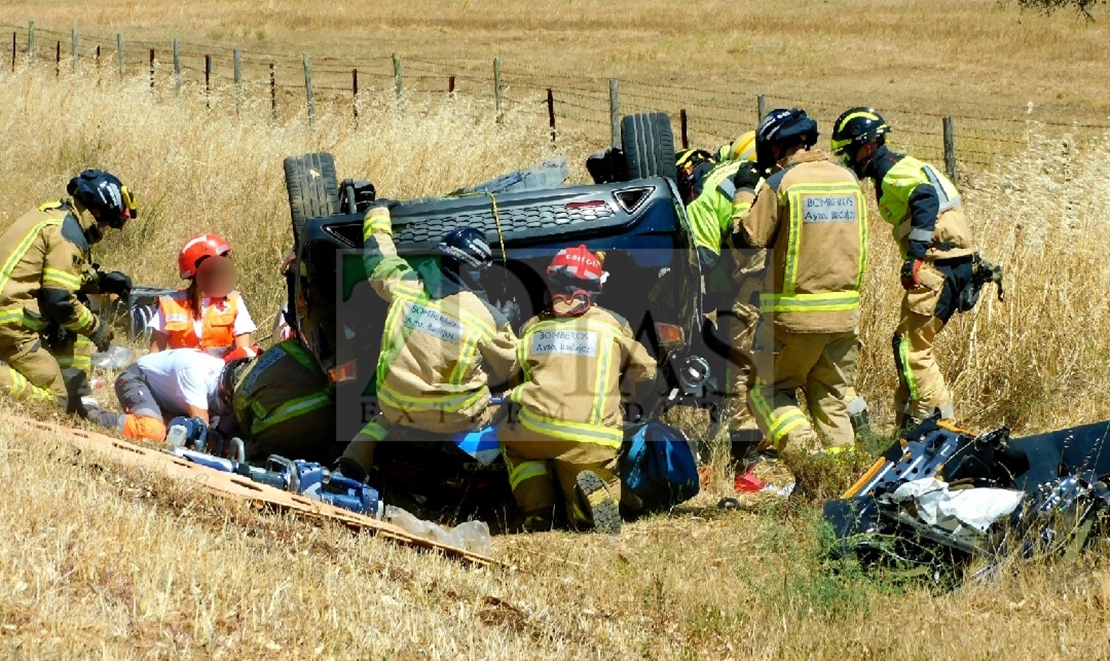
(941, 488)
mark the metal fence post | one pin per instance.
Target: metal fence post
(950, 149)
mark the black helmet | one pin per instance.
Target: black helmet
(233, 371)
(784, 128)
(467, 246)
(109, 201)
(855, 127)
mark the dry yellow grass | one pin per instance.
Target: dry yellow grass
(103, 563)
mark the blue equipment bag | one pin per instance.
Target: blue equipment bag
(660, 466)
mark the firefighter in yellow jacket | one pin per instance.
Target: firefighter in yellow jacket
(811, 216)
(568, 420)
(44, 265)
(939, 266)
(442, 344)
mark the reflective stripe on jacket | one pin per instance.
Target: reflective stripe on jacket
(438, 354)
(571, 370)
(44, 263)
(217, 328)
(923, 207)
(812, 216)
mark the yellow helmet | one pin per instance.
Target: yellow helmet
(743, 148)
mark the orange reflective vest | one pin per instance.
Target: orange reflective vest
(218, 329)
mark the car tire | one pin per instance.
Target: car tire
(313, 188)
(648, 144)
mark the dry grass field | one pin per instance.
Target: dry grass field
(103, 563)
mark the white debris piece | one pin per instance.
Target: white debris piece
(937, 505)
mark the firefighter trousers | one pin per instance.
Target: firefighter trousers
(534, 461)
(925, 312)
(824, 365)
(33, 372)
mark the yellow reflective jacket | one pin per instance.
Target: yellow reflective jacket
(44, 262)
(572, 369)
(437, 353)
(812, 217)
(710, 214)
(923, 207)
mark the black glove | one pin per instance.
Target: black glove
(510, 309)
(102, 336)
(910, 279)
(55, 338)
(746, 176)
(115, 282)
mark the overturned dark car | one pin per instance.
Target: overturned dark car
(634, 215)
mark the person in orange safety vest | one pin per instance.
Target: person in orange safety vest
(209, 314)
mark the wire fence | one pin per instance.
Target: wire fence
(577, 106)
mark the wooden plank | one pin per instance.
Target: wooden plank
(229, 485)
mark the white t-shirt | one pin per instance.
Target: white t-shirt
(179, 378)
(243, 322)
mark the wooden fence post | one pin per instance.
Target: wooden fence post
(551, 112)
(119, 47)
(208, 81)
(152, 70)
(497, 99)
(176, 65)
(73, 46)
(31, 42)
(761, 103)
(354, 92)
(14, 47)
(308, 90)
(238, 78)
(398, 83)
(950, 149)
(58, 59)
(614, 113)
(451, 85)
(685, 128)
(273, 93)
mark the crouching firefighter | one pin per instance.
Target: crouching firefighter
(285, 404)
(568, 422)
(47, 333)
(443, 342)
(941, 273)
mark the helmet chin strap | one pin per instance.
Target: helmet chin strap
(574, 304)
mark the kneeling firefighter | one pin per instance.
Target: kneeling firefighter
(442, 344)
(284, 404)
(941, 272)
(569, 421)
(47, 333)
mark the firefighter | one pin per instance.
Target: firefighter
(569, 421)
(443, 342)
(284, 404)
(811, 216)
(210, 313)
(939, 264)
(46, 270)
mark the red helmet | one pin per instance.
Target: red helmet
(242, 353)
(578, 264)
(197, 248)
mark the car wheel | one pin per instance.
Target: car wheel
(313, 188)
(648, 144)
